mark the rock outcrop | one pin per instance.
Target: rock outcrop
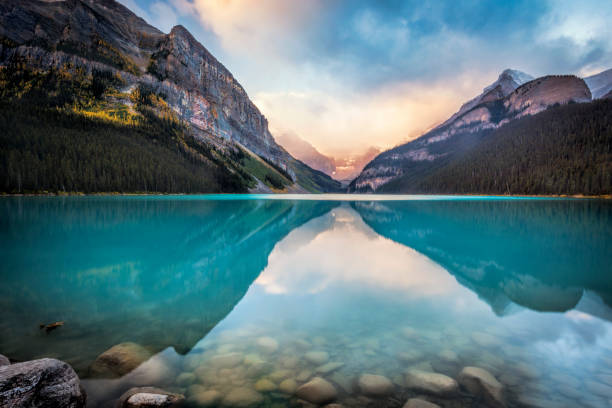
(40, 383)
(511, 97)
(103, 35)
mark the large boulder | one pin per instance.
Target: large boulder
(317, 391)
(149, 397)
(482, 383)
(375, 385)
(119, 360)
(4, 360)
(40, 383)
(433, 383)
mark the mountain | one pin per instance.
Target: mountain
(306, 152)
(343, 169)
(502, 102)
(107, 72)
(600, 84)
(348, 168)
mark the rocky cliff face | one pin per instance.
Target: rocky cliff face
(103, 35)
(501, 102)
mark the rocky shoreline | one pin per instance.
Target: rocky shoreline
(50, 382)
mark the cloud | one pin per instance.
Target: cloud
(340, 124)
(349, 74)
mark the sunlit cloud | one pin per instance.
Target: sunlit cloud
(347, 75)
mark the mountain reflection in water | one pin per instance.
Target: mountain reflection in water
(522, 288)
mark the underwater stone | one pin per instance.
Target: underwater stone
(329, 367)
(317, 391)
(265, 385)
(438, 384)
(288, 386)
(419, 403)
(228, 360)
(267, 345)
(375, 385)
(119, 360)
(205, 398)
(242, 397)
(317, 357)
(482, 383)
(4, 360)
(149, 397)
(185, 379)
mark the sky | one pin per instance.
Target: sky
(346, 75)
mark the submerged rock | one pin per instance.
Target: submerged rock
(205, 398)
(228, 360)
(242, 397)
(375, 385)
(119, 360)
(434, 383)
(317, 391)
(419, 403)
(185, 379)
(149, 397)
(317, 357)
(482, 383)
(40, 383)
(267, 345)
(329, 367)
(288, 386)
(265, 385)
(4, 361)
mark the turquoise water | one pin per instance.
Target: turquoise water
(221, 296)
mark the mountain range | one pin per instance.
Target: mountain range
(342, 169)
(521, 135)
(178, 119)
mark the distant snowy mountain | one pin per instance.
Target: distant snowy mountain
(507, 82)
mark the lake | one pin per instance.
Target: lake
(239, 300)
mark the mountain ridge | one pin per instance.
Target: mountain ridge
(105, 36)
(466, 128)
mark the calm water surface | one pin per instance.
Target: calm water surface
(251, 296)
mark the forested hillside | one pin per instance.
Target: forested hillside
(64, 130)
(563, 150)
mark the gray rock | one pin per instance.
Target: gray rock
(438, 384)
(375, 385)
(482, 383)
(40, 383)
(419, 403)
(119, 360)
(4, 360)
(149, 397)
(329, 367)
(317, 391)
(242, 397)
(317, 357)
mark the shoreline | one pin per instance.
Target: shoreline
(373, 195)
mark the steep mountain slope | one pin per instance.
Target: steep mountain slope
(563, 150)
(469, 126)
(87, 37)
(306, 152)
(600, 84)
